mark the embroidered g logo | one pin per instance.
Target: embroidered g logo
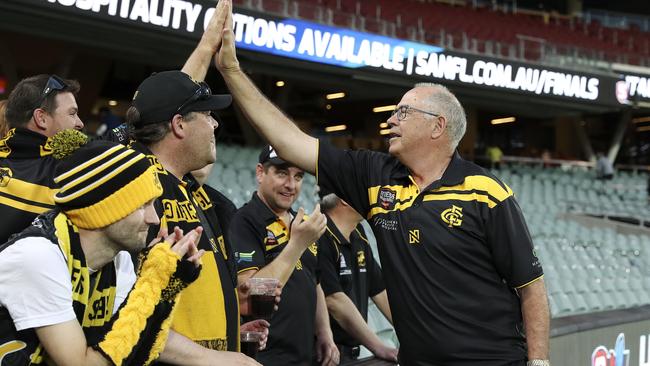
(452, 216)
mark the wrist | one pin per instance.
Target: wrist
(538, 362)
(232, 70)
(205, 46)
(324, 333)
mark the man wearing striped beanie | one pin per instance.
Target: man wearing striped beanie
(68, 291)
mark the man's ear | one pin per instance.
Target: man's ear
(178, 126)
(438, 127)
(259, 171)
(40, 117)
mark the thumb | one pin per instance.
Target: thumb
(227, 54)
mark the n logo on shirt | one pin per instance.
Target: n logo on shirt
(414, 236)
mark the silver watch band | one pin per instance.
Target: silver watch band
(538, 363)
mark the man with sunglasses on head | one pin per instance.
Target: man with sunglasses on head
(463, 282)
(37, 108)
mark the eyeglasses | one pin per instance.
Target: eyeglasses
(54, 83)
(403, 111)
(203, 92)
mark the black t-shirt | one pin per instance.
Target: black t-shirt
(348, 267)
(258, 237)
(453, 255)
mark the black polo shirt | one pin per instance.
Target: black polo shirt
(208, 311)
(258, 237)
(348, 267)
(453, 255)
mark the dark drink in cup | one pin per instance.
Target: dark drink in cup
(262, 306)
(249, 348)
(262, 297)
(249, 342)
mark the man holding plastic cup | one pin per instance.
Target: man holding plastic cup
(272, 241)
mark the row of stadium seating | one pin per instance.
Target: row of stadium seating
(531, 35)
(577, 191)
(587, 268)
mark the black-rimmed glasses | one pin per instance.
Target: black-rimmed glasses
(402, 112)
(203, 92)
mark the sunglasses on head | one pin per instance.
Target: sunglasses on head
(202, 92)
(54, 83)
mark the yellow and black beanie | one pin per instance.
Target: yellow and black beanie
(100, 182)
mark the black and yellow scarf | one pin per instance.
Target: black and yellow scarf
(93, 294)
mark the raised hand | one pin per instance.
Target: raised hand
(214, 31)
(186, 245)
(226, 57)
(306, 230)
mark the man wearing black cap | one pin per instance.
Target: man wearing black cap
(349, 276)
(66, 282)
(172, 123)
(273, 241)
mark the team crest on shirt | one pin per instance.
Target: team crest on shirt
(313, 248)
(5, 176)
(452, 216)
(387, 198)
(270, 241)
(361, 258)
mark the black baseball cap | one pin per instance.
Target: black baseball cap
(162, 95)
(268, 154)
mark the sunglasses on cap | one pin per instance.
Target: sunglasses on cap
(202, 92)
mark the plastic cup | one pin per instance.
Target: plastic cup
(249, 342)
(262, 297)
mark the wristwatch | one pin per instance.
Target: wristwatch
(538, 363)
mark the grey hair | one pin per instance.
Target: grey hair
(328, 202)
(448, 106)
